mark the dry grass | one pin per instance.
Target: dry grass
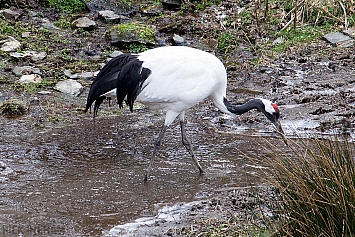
(316, 184)
(308, 12)
(13, 107)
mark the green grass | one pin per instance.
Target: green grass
(316, 184)
(292, 38)
(31, 88)
(135, 47)
(227, 42)
(67, 6)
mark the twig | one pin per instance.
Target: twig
(287, 24)
(345, 18)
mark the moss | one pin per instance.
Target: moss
(13, 107)
(132, 32)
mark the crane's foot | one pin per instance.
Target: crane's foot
(148, 172)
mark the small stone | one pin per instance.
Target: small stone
(19, 71)
(84, 22)
(279, 40)
(33, 55)
(11, 14)
(115, 54)
(35, 101)
(70, 87)
(25, 34)
(83, 75)
(11, 44)
(47, 24)
(350, 32)
(178, 40)
(32, 78)
(171, 3)
(339, 39)
(86, 75)
(69, 74)
(44, 92)
(109, 16)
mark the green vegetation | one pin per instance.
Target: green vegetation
(295, 22)
(316, 184)
(135, 47)
(63, 22)
(295, 37)
(227, 42)
(30, 88)
(67, 6)
(133, 31)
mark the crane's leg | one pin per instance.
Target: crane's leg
(188, 145)
(156, 148)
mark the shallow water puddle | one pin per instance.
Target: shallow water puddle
(86, 178)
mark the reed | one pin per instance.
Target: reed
(315, 180)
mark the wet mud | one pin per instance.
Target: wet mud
(85, 177)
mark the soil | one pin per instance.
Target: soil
(313, 84)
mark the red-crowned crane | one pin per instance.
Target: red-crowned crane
(172, 78)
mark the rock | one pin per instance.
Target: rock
(132, 32)
(339, 39)
(115, 54)
(11, 14)
(25, 34)
(69, 86)
(83, 75)
(179, 40)
(44, 92)
(19, 71)
(150, 10)
(109, 16)
(33, 55)
(171, 3)
(279, 40)
(3, 97)
(34, 101)
(11, 44)
(47, 24)
(350, 32)
(31, 78)
(84, 23)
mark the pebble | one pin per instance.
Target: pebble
(10, 44)
(109, 16)
(70, 87)
(339, 39)
(31, 78)
(19, 71)
(84, 23)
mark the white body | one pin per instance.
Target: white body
(199, 75)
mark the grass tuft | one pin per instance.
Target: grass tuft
(316, 184)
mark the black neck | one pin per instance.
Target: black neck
(241, 109)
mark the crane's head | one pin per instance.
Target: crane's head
(272, 112)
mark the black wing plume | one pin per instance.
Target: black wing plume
(124, 73)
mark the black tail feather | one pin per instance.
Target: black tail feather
(123, 73)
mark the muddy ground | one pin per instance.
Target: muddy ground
(313, 84)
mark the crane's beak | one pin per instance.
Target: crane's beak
(281, 131)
